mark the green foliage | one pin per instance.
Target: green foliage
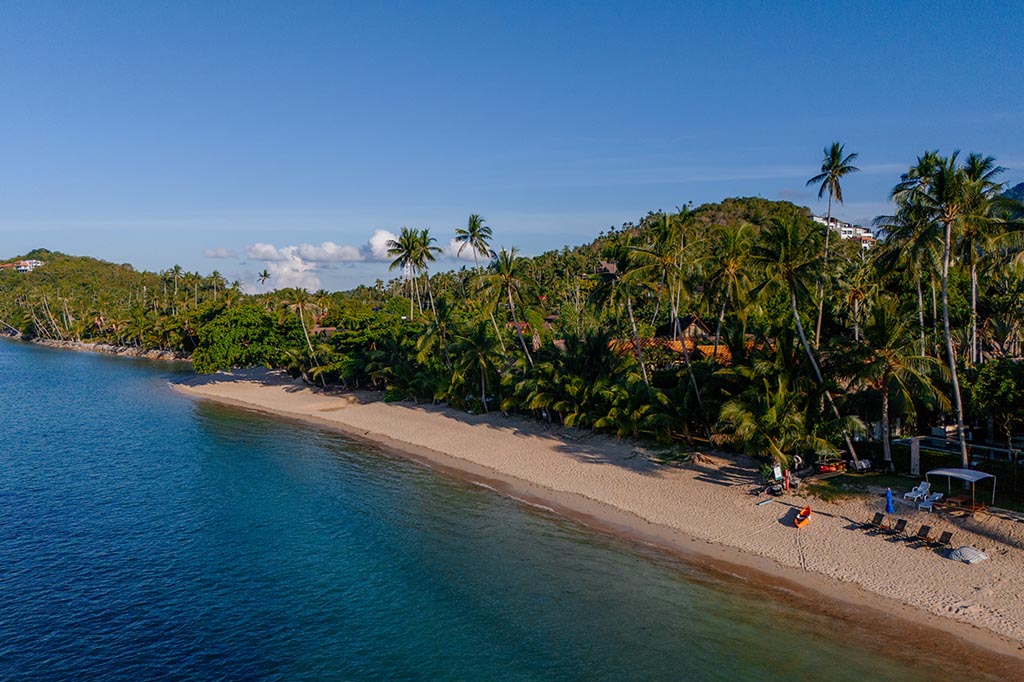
(241, 336)
(563, 338)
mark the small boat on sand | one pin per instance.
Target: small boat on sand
(803, 518)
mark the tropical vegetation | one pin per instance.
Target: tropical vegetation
(741, 322)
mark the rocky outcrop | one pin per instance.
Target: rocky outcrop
(130, 351)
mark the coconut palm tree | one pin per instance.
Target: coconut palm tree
(836, 165)
(616, 288)
(892, 366)
(508, 279)
(425, 254)
(477, 236)
(787, 252)
(727, 270)
(912, 243)
(477, 352)
(980, 229)
(946, 196)
(263, 277)
(300, 302)
(406, 251)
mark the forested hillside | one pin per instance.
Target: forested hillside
(735, 321)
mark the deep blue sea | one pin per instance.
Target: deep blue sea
(145, 535)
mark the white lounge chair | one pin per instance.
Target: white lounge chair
(918, 492)
(929, 499)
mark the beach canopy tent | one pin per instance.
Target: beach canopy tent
(969, 475)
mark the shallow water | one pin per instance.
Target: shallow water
(146, 535)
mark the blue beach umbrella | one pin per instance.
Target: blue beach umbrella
(889, 509)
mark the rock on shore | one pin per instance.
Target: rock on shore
(109, 349)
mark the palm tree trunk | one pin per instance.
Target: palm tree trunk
(817, 373)
(483, 387)
(886, 445)
(950, 355)
(718, 330)
(974, 313)
(312, 353)
(824, 270)
(856, 315)
(678, 333)
(636, 339)
(920, 314)
(498, 333)
(519, 332)
(657, 304)
(411, 299)
(430, 293)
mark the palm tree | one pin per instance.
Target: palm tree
(946, 197)
(980, 229)
(834, 167)
(477, 236)
(615, 287)
(263, 277)
(217, 280)
(508, 279)
(727, 271)
(767, 419)
(425, 253)
(477, 352)
(405, 249)
(892, 366)
(911, 244)
(300, 302)
(787, 252)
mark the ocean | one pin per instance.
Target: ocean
(145, 535)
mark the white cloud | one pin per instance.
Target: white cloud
(298, 265)
(329, 252)
(452, 251)
(293, 272)
(377, 247)
(219, 252)
(261, 251)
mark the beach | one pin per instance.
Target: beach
(703, 511)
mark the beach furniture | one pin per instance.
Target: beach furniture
(923, 537)
(929, 501)
(803, 518)
(944, 540)
(918, 492)
(899, 528)
(875, 523)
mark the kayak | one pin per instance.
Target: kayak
(803, 518)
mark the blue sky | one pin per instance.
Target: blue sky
(226, 136)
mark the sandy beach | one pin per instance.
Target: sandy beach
(704, 512)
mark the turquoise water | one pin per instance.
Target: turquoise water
(144, 535)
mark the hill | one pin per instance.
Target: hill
(1016, 192)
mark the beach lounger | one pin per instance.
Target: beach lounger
(917, 492)
(923, 537)
(899, 528)
(929, 501)
(875, 523)
(944, 540)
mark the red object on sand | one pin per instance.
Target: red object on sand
(803, 518)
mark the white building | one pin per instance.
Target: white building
(23, 265)
(848, 231)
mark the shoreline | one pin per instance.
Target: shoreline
(105, 349)
(611, 487)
